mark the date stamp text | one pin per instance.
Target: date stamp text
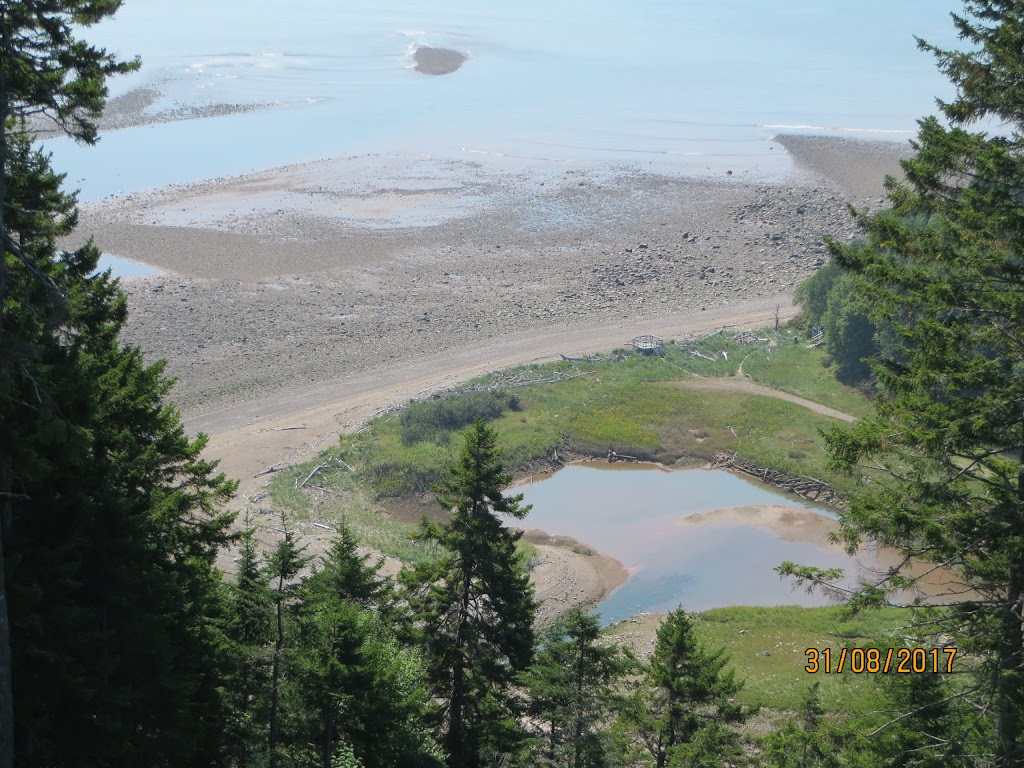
(902, 661)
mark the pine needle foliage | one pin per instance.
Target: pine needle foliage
(474, 608)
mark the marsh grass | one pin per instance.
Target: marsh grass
(780, 680)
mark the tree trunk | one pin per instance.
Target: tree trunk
(458, 754)
(6, 681)
(329, 742)
(1010, 748)
(6, 673)
(577, 730)
(275, 683)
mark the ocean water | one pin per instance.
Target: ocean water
(697, 86)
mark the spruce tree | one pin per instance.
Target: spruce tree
(942, 459)
(111, 522)
(572, 691)
(475, 607)
(680, 710)
(283, 567)
(345, 575)
(44, 70)
(351, 683)
(249, 629)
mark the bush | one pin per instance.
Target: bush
(812, 296)
(435, 420)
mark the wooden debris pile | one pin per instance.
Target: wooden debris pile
(809, 488)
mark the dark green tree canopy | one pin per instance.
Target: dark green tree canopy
(573, 689)
(679, 713)
(46, 69)
(943, 457)
(475, 608)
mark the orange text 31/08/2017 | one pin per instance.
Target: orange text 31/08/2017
(903, 661)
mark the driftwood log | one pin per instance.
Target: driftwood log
(809, 488)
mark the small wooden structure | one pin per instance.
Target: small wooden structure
(649, 345)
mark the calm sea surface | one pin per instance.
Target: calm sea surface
(690, 85)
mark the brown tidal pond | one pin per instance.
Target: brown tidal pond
(697, 538)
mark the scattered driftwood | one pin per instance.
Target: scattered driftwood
(809, 488)
(272, 469)
(614, 457)
(714, 333)
(500, 380)
(279, 429)
(334, 463)
(324, 527)
(747, 337)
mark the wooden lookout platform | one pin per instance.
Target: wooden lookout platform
(649, 345)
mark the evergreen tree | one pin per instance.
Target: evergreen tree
(110, 522)
(928, 726)
(44, 69)
(944, 453)
(475, 607)
(249, 628)
(572, 690)
(352, 683)
(811, 741)
(679, 712)
(346, 575)
(284, 566)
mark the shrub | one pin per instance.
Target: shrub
(435, 420)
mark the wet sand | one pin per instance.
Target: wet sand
(311, 273)
(857, 167)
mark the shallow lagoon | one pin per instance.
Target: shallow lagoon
(697, 538)
(122, 267)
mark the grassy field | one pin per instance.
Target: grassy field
(767, 648)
